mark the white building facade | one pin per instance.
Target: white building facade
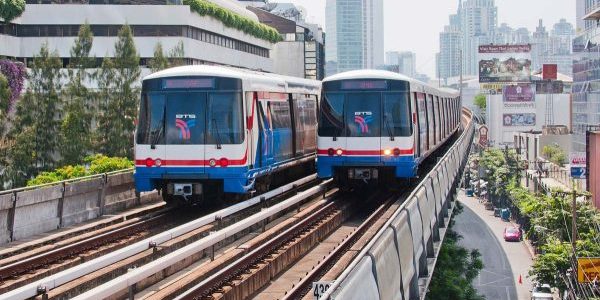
(206, 39)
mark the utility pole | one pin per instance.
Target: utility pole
(574, 220)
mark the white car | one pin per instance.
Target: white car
(542, 292)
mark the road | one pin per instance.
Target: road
(503, 262)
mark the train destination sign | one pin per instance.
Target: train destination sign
(189, 83)
(364, 85)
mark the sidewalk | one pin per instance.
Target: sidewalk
(501, 259)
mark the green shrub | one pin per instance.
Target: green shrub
(102, 164)
(98, 164)
(233, 20)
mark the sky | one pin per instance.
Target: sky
(414, 25)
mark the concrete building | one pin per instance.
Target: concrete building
(553, 47)
(301, 53)
(354, 35)
(206, 40)
(405, 60)
(586, 93)
(511, 117)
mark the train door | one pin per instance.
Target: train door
(185, 126)
(423, 123)
(265, 139)
(396, 123)
(415, 123)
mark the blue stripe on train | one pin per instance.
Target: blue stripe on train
(405, 166)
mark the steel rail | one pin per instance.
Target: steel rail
(219, 279)
(46, 284)
(124, 282)
(304, 286)
(33, 262)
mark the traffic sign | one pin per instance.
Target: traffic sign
(578, 172)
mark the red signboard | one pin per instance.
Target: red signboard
(550, 72)
(483, 136)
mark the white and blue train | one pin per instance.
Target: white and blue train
(379, 125)
(209, 128)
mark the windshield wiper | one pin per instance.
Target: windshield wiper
(216, 127)
(388, 127)
(158, 135)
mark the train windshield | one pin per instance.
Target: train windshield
(360, 114)
(190, 118)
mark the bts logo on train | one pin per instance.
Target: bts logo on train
(184, 123)
(363, 119)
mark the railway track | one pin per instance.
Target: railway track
(86, 275)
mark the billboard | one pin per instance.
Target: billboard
(518, 93)
(504, 63)
(550, 72)
(518, 120)
(588, 269)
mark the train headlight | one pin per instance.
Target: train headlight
(387, 152)
(396, 152)
(212, 162)
(224, 162)
(149, 162)
(339, 152)
(158, 162)
(330, 151)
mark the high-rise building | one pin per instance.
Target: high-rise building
(478, 21)
(406, 62)
(586, 93)
(473, 25)
(355, 35)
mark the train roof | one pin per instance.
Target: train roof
(251, 78)
(382, 74)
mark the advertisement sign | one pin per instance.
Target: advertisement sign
(588, 269)
(483, 136)
(518, 93)
(519, 119)
(550, 72)
(504, 63)
(577, 159)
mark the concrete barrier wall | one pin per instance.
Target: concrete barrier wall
(29, 211)
(398, 262)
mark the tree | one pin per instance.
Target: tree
(5, 94)
(455, 269)
(480, 101)
(159, 61)
(76, 125)
(118, 82)
(11, 9)
(554, 154)
(39, 108)
(177, 55)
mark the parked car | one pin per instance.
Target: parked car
(542, 292)
(512, 234)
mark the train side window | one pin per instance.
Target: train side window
(280, 114)
(396, 114)
(152, 120)
(224, 118)
(331, 115)
(306, 122)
